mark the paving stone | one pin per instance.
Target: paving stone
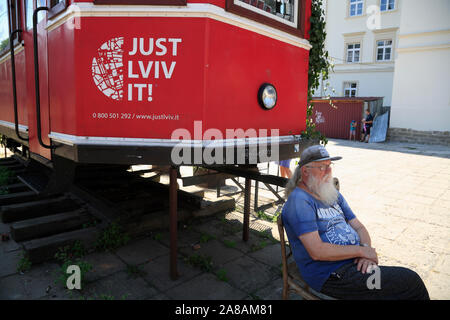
(248, 274)
(157, 273)
(186, 237)
(438, 286)
(270, 255)
(220, 228)
(274, 291)
(40, 282)
(159, 296)
(443, 265)
(9, 262)
(119, 286)
(205, 287)
(237, 242)
(141, 251)
(219, 253)
(103, 264)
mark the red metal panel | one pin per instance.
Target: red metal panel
(6, 100)
(239, 62)
(35, 147)
(61, 68)
(335, 122)
(218, 71)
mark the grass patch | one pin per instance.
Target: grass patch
(111, 238)
(71, 255)
(206, 237)
(200, 261)
(157, 237)
(260, 245)
(135, 271)
(268, 217)
(222, 275)
(5, 177)
(24, 264)
(229, 243)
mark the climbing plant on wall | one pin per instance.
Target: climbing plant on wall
(319, 66)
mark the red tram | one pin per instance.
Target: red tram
(121, 81)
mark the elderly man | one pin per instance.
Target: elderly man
(331, 247)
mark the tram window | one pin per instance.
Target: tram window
(56, 7)
(4, 25)
(30, 6)
(143, 2)
(281, 14)
(9, 21)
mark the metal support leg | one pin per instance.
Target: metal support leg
(255, 206)
(173, 222)
(248, 189)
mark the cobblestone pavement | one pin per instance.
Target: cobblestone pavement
(401, 192)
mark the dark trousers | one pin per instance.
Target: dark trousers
(390, 283)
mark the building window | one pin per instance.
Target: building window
(353, 52)
(350, 89)
(356, 8)
(286, 15)
(384, 50)
(387, 5)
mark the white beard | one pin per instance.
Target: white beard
(324, 189)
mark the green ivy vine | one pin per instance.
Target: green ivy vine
(319, 65)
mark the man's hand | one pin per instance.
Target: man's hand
(364, 265)
(369, 254)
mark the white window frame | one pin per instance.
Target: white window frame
(352, 51)
(384, 47)
(355, 3)
(348, 86)
(386, 5)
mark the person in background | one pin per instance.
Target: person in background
(352, 130)
(368, 121)
(285, 171)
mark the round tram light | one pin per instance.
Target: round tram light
(267, 96)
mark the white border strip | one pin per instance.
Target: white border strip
(17, 48)
(109, 141)
(13, 126)
(196, 10)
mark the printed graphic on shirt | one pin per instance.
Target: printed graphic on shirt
(337, 230)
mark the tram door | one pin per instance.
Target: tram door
(39, 142)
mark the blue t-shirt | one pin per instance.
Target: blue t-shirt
(302, 213)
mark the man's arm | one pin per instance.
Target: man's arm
(323, 251)
(363, 264)
(361, 231)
